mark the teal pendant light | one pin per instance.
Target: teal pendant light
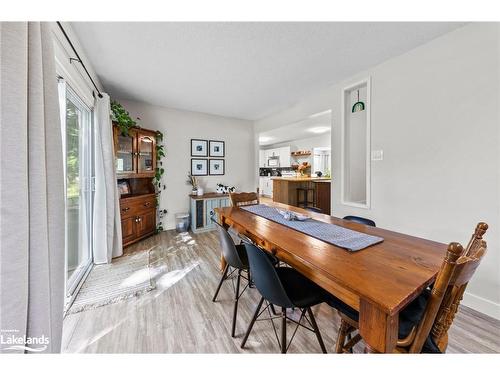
(358, 106)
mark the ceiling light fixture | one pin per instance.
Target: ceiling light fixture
(319, 129)
(264, 139)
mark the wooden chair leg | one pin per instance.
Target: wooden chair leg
(349, 337)
(224, 274)
(316, 330)
(235, 308)
(343, 329)
(283, 330)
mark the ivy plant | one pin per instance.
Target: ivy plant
(160, 153)
(121, 117)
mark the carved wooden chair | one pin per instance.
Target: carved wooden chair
(424, 323)
(244, 199)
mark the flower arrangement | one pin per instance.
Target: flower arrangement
(302, 168)
(193, 181)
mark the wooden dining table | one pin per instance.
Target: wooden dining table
(378, 281)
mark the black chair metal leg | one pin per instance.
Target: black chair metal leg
(224, 274)
(252, 322)
(273, 310)
(316, 329)
(283, 330)
(236, 298)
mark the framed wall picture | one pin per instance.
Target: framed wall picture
(217, 149)
(123, 187)
(216, 167)
(199, 147)
(199, 167)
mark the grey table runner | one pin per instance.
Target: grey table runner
(330, 233)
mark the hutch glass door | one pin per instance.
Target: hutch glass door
(125, 153)
(146, 146)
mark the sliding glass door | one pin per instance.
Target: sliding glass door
(77, 139)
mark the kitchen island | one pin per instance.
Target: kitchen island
(318, 190)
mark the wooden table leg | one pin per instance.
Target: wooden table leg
(222, 259)
(378, 329)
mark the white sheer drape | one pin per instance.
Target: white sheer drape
(31, 190)
(107, 224)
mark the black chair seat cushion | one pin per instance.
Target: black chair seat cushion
(409, 317)
(301, 291)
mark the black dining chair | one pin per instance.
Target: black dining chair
(284, 287)
(314, 209)
(236, 259)
(360, 220)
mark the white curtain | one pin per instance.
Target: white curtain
(31, 191)
(107, 223)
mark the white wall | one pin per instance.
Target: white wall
(178, 128)
(435, 113)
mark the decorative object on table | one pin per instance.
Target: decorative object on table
(200, 191)
(199, 147)
(217, 149)
(193, 181)
(224, 189)
(121, 117)
(358, 106)
(123, 187)
(289, 215)
(302, 168)
(217, 167)
(199, 167)
(319, 173)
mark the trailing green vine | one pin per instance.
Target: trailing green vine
(121, 117)
(160, 153)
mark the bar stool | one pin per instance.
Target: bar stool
(305, 194)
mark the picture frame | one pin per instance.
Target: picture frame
(217, 167)
(199, 147)
(199, 167)
(217, 149)
(123, 187)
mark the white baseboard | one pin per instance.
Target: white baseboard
(482, 305)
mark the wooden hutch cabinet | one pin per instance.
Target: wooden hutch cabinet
(135, 153)
(135, 158)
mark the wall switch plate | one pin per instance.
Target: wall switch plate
(378, 155)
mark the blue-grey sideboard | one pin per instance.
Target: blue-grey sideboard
(202, 208)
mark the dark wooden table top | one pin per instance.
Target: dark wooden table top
(388, 275)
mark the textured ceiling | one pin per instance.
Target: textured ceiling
(242, 70)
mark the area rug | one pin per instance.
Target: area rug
(126, 277)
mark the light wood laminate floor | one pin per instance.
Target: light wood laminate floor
(180, 317)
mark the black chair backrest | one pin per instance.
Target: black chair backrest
(266, 278)
(360, 220)
(314, 209)
(228, 247)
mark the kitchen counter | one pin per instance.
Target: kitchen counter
(285, 191)
(300, 179)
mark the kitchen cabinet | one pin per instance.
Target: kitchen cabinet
(284, 154)
(262, 159)
(266, 186)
